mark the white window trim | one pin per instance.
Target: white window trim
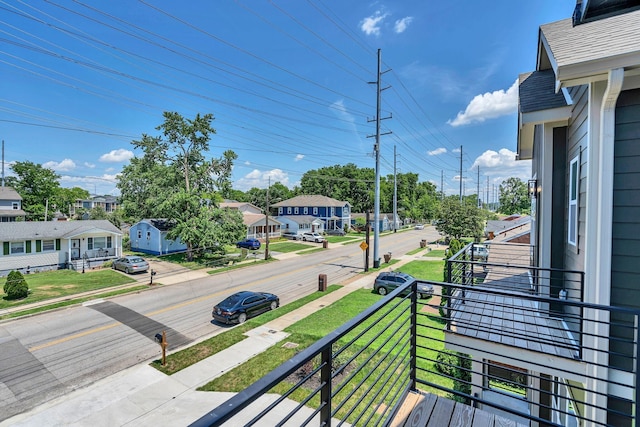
(315, 211)
(53, 245)
(574, 194)
(23, 251)
(295, 211)
(306, 211)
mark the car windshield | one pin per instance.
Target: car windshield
(136, 260)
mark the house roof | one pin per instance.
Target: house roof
(589, 49)
(500, 226)
(249, 219)
(301, 219)
(8, 193)
(537, 92)
(12, 231)
(310, 200)
(161, 224)
(12, 213)
(238, 205)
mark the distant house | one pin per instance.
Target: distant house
(511, 225)
(255, 220)
(385, 222)
(10, 205)
(300, 223)
(51, 245)
(334, 214)
(108, 203)
(150, 236)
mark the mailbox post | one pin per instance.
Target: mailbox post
(162, 340)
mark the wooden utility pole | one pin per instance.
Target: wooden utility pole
(266, 239)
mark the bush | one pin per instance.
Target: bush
(16, 287)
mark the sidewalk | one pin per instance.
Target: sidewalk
(143, 396)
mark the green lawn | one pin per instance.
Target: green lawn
(436, 253)
(62, 283)
(342, 239)
(425, 270)
(287, 246)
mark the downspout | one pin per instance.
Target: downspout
(599, 218)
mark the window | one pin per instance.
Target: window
(48, 245)
(279, 211)
(97, 243)
(295, 211)
(315, 211)
(289, 211)
(15, 205)
(306, 211)
(17, 247)
(574, 180)
(332, 212)
(148, 235)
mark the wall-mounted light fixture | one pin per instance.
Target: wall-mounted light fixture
(533, 188)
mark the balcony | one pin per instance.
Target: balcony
(498, 344)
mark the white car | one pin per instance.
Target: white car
(419, 227)
(312, 237)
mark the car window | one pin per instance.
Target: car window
(250, 300)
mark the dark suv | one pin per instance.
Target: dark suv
(252, 244)
(388, 281)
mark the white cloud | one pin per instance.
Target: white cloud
(260, 179)
(489, 105)
(437, 151)
(117, 156)
(371, 24)
(402, 24)
(104, 184)
(63, 166)
(500, 165)
(247, 162)
(298, 157)
(89, 165)
(455, 150)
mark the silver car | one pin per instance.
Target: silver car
(131, 264)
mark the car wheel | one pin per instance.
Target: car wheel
(304, 239)
(274, 305)
(382, 290)
(420, 296)
(127, 270)
(242, 317)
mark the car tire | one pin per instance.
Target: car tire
(274, 305)
(421, 296)
(382, 290)
(304, 239)
(242, 317)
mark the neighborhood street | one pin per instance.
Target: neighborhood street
(48, 355)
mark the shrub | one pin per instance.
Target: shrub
(16, 287)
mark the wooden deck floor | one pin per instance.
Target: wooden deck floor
(428, 410)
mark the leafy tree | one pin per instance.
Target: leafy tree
(68, 196)
(16, 287)
(458, 220)
(514, 197)
(176, 181)
(36, 185)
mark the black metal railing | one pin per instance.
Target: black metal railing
(495, 350)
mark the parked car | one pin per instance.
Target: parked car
(241, 306)
(292, 235)
(312, 237)
(252, 244)
(336, 232)
(479, 253)
(388, 281)
(419, 227)
(131, 264)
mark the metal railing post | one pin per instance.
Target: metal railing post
(637, 373)
(414, 332)
(325, 393)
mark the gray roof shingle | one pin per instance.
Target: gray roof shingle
(16, 231)
(537, 92)
(8, 193)
(310, 200)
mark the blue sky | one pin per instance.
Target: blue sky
(287, 82)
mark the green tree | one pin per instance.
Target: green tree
(457, 219)
(16, 287)
(66, 197)
(174, 179)
(37, 185)
(514, 197)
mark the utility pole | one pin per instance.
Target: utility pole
(395, 192)
(266, 240)
(441, 185)
(461, 174)
(479, 203)
(488, 207)
(376, 149)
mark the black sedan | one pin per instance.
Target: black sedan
(242, 305)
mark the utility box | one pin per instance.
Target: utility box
(387, 257)
(325, 244)
(322, 282)
(423, 243)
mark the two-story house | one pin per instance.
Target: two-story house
(313, 213)
(254, 219)
(106, 202)
(10, 205)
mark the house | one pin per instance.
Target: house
(254, 219)
(51, 245)
(333, 214)
(385, 222)
(108, 203)
(509, 225)
(579, 124)
(11, 205)
(150, 236)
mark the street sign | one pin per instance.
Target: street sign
(364, 246)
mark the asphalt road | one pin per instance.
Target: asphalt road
(47, 355)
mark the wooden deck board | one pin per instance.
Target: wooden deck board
(428, 410)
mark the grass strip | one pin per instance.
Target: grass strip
(191, 355)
